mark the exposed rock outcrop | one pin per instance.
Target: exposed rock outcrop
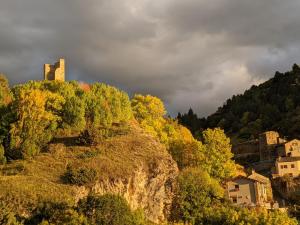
(148, 188)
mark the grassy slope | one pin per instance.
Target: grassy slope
(26, 182)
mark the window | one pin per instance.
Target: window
(281, 166)
(292, 165)
(285, 166)
(234, 199)
(290, 174)
(236, 187)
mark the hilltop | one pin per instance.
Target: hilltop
(272, 105)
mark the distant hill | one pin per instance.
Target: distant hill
(272, 105)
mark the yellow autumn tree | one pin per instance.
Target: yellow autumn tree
(36, 114)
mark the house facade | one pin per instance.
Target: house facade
(287, 166)
(289, 149)
(252, 190)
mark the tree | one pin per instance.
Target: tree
(5, 94)
(228, 215)
(197, 191)
(147, 108)
(37, 118)
(149, 111)
(218, 156)
(6, 117)
(105, 106)
(187, 154)
(108, 210)
(49, 213)
(73, 115)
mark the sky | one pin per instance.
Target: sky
(190, 53)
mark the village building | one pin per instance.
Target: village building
(289, 149)
(268, 143)
(253, 190)
(287, 166)
(56, 71)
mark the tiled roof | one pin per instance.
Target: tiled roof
(288, 159)
(259, 177)
(254, 177)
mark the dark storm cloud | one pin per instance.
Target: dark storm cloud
(190, 53)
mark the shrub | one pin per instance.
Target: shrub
(2, 157)
(88, 154)
(79, 176)
(7, 215)
(56, 213)
(109, 210)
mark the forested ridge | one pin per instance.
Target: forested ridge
(60, 142)
(272, 105)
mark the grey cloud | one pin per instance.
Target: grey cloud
(190, 53)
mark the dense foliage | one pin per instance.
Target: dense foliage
(39, 111)
(5, 95)
(79, 176)
(56, 213)
(197, 192)
(109, 210)
(105, 106)
(272, 105)
(213, 154)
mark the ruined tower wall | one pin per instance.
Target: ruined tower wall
(56, 71)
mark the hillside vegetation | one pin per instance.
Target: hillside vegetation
(74, 153)
(272, 105)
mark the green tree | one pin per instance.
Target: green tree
(73, 115)
(197, 192)
(50, 213)
(109, 210)
(218, 156)
(105, 106)
(187, 154)
(230, 215)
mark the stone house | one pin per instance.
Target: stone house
(252, 190)
(268, 143)
(289, 149)
(264, 148)
(289, 166)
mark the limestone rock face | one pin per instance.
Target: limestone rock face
(150, 187)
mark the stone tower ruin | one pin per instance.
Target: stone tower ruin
(55, 71)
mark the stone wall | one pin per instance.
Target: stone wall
(56, 71)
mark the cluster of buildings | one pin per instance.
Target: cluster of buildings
(276, 158)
